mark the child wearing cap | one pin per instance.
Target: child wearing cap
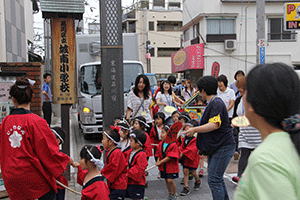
(115, 164)
(168, 155)
(137, 162)
(190, 158)
(60, 137)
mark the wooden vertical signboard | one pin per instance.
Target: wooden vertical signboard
(64, 72)
(64, 69)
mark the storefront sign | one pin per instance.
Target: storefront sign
(292, 16)
(190, 57)
(64, 69)
(215, 69)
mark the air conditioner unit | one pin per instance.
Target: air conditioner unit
(230, 45)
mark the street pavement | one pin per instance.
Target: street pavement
(156, 187)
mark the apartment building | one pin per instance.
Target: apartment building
(16, 32)
(228, 30)
(160, 23)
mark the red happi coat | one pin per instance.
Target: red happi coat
(190, 152)
(94, 189)
(154, 136)
(115, 170)
(148, 146)
(30, 157)
(136, 167)
(171, 151)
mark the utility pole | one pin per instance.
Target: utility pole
(260, 30)
(148, 56)
(111, 61)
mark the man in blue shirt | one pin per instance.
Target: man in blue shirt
(47, 98)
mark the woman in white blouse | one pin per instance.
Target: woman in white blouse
(188, 91)
(139, 101)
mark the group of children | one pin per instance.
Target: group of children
(127, 153)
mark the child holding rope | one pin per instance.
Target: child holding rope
(115, 164)
(168, 155)
(137, 163)
(89, 176)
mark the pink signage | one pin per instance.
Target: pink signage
(190, 57)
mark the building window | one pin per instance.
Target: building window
(276, 31)
(151, 26)
(166, 52)
(220, 26)
(195, 30)
(131, 26)
(159, 3)
(169, 26)
(186, 35)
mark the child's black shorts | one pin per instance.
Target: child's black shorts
(190, 168)
(168, 176)
(135, 191)
(117, 194)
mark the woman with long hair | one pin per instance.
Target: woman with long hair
(272, 105)
(166, 97)
(139, 101)
(29, 153)
(188, 90)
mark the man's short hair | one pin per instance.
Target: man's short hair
(46, 75)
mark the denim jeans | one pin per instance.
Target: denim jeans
(217, 164)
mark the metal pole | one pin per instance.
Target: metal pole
(260, 20)
(246, 37)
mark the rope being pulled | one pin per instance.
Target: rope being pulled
(70, 189)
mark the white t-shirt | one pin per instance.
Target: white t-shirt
(134, 102)
(226, 97)
(165, 98)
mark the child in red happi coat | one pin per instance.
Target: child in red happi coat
(88, 175)
(137, 163)
(190, 158)
(115, 164)
(140, 124)
(155, 133)
(168, 155)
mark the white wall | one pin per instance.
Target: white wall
(162, 39)
(286, 52)
(2, 33)
(28, 12)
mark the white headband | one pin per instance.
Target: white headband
(59, 137)
(186, 117)
(125, 128)
(134, 135)
(117, 143)
(97, 162)
(189, 124)
(137, 119)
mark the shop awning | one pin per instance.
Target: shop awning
(190, 57)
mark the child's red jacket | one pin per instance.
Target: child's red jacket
(115, 170)
(171, 151)
(94, 189)
(190, 152)
(148, 146)
(154, 136)
(136, 167)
